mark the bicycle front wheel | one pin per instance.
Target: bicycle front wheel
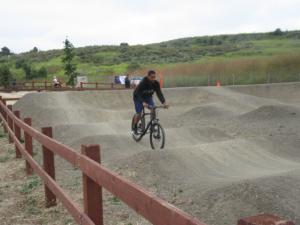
(157, 136)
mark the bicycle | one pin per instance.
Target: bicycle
(157, 133)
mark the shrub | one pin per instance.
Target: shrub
(5, 76)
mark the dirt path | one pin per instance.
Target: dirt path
(230, 152)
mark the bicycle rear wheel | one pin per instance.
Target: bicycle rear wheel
(140, 129)
(157, 136)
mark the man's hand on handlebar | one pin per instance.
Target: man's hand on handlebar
(166, 106)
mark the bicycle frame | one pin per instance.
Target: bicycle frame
(153, 120)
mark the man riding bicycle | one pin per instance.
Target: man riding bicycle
(142, 96)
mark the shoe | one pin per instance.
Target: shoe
(135, 130)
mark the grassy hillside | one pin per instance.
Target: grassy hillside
(242, 58)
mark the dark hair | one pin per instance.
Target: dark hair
(150, 72)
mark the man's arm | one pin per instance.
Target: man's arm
(159, 93)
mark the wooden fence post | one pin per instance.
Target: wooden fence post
(1, 110)
(49, 167)
(18, 134)
(264, 219)
(10, 123)
(92, 192)
(4, 115)
(96, 85)
(28, 146)
(1, 100)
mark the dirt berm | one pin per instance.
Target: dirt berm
(230, 152)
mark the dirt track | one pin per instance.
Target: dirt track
(230, 152)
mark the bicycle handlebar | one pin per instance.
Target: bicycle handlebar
(158, 107)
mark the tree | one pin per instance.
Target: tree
(34, 50)
(278, 32)
(124, 44)
(28, 72)
(5, 51)
(42, 72)
(20, 63)
(69, 65)
(5, 76)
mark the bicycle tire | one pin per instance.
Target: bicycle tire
(157, 132)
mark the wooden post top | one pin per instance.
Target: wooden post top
(264, 219)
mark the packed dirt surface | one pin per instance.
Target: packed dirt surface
(14, 94)
(230, 152)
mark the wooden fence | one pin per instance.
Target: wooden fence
(48, 86)
(95, 176)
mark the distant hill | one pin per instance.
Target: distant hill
(96, 61)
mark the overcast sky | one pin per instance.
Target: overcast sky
(46, 23)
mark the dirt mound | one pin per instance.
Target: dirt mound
(207, 112)
(287, 92)
(269, 112)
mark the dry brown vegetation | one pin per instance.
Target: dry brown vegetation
(282, 68)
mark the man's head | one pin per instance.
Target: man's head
(151, 75)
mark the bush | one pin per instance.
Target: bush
(42, 72)
(278, 32)
(5, 76)
(31, 73)
(133, 67)
(27, 69)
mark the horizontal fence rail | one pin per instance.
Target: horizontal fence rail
(11, 99)
(48, 86)
(95, 176)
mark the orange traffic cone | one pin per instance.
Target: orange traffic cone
(161, 80)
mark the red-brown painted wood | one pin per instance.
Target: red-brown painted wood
(28, 145)
(92, 192)
(17, 134)
(10, 123)
(4, 115)
(264, 219)
(49, 167)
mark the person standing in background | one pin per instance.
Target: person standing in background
(14, 83)
(127, 81)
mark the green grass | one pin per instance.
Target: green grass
(32, 207)
(114, 200)
(184, 62)
(4, 158)
(31, 184)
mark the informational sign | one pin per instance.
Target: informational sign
(120, 79)
(81, 79)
